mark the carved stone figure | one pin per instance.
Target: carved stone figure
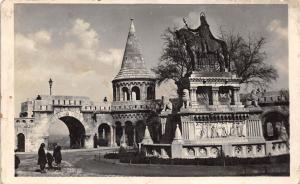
(233, 131)
(166, 104)
(186, 98)
(253, 99)
(214, 132)
(204, 131)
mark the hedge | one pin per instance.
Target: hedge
(135, 158)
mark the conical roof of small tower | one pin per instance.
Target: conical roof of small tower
(133, 65)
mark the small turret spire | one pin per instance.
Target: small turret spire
(133, 65)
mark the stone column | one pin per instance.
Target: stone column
(244, 151)
(236, 95)
(254, 147)
(215, 95)
(123, 142)
(111, 136)
(143, 91)
(120, 93)
(193, 96)
(114, 136)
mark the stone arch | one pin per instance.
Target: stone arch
(150, 93)
(104, 134)
(275, 124)
(139, 130)
(76, 126)
(20, 142)
(136, 93)
(119, 132)
(125, 94)
(204, 95)
(129, 132)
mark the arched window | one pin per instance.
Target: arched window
(114, 93)
(135, 92)
(125, 94)
(150, 93)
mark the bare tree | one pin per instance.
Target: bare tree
(175, 64)
(247, 59)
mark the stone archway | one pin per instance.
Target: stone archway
(119, 132)
(76, 130)
(139, 131)
(21, 142)
(275, 125)
(129, 132)
(104, 134)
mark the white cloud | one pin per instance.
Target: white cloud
(78, 66)
(84, 33)
(275, 26)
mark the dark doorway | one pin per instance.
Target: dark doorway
(119, 132)
(21, 142)
(275, 126)
(129, 133)
(104, 134)
(139, 131)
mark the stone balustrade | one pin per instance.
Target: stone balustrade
(133, 105)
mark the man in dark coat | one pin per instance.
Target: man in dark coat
(57, 156)
(42, 160)
(95, 141)
(49, 160)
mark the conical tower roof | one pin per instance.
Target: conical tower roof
(133, 65)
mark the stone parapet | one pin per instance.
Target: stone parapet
(133, 105)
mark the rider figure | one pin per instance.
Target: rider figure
(202, 31)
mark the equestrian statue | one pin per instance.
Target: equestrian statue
(200, 44)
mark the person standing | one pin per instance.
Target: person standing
(57, 156)
(42, 160)
(49, 160)
(95, 140)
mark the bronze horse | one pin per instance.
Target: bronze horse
(204, 44)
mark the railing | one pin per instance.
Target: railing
(133, 105)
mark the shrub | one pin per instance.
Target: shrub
(140, 158)
(111, 156)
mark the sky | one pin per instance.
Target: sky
(81, 46)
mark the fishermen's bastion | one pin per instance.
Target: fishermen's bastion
(211, 121)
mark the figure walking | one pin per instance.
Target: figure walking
(57, 156)
(42, 160)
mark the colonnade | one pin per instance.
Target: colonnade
(214, 97)
(125, 93)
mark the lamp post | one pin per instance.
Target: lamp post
(50, 85)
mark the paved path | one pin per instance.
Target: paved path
(88, 163)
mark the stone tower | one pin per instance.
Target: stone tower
(133, 93)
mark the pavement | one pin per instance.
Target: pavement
(92, 163)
